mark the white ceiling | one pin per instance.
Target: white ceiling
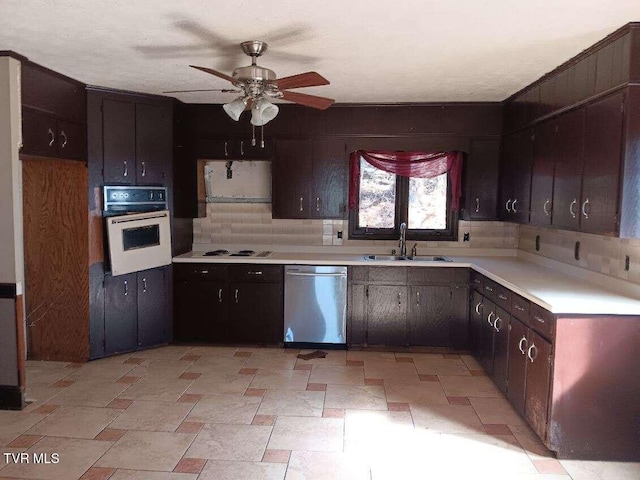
(370, 50)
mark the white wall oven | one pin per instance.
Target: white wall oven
(138, 228)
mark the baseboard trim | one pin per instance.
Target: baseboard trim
(11, 398)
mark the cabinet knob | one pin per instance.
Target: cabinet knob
(52, 137)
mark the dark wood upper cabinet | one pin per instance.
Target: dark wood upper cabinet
(153, 143)
(482, 169)
(517, 157)
(39, 133)
(291, 174)
(119, 142)
(542, 173)
(602, 162)
(329, 178)
(569, 149)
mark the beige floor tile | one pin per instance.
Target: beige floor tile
(446, 418)
(334, 357)
(220, 383)
(106, 371)
(230, 442)
(337, 375)
(39, 394)
(152, 416)
(75, 422)
(158, 367)
(89, 392)
(292, 403)
(217, 364)
(224, 470)
(373, 357)
(356, 397)
(76, 456)
(307, 433)
(462, 386)
(156, 388)
(281, 379)
(369, 432)
(441, 366)
(271, 361)
(327, 466)
(471, 362)
(588, 470)
(146, 475)
(225, 409)
(399, 372)
(14, 424)
(171, 352)
(114, 359)
(158, 451)
(212, 351)
(46, 373)
(496, 410)
(422, 392)
(530, 442)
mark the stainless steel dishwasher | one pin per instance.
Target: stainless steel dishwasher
(315, 305)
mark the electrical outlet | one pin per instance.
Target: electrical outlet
(339, 233)
(465, 237)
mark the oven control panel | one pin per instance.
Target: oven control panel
(128, 199)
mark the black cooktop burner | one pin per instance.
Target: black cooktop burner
(215, 253)
(243, 253)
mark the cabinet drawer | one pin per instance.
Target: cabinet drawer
(255, 273)
(490, 289)
(388, 275)
(357, 274)
(520, 308)
(542, 321)
(477, 281)
(438, 276)
(202, 272)
(503, 297)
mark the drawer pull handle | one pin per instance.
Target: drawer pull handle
(532, 353)
(126, 288)
(518, 307)
(513, 206)
(506, 205)
(301, 199)
(544, 207)
(501, 296)
(495, 324)
(417, 299)
(478, 306)
(584, 208)
(53, 137)
(125, 172)
(399, 299)
(488, 288)
(571, 210)
(226, 149)
(203, 272)
(220, 295)
(541, 320)
(144, 285)
(254, 273)
(64, 142)
(317, 204)
(477, 205)
(491, 314)
(236, 295)
(144, 169)
(520, 347)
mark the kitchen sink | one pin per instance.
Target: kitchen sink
(418, 258)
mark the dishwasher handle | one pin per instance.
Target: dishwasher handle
(302, 274)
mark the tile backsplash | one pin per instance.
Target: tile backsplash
(598, 253)
(251, 224)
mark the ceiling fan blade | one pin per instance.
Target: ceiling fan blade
(307, 79)
(214, 72)
(321, 103)
(223, 90)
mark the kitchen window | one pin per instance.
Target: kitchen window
(384, 200)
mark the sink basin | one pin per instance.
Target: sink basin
(419, 258)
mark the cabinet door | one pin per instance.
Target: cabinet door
(475, 323)
(154, 317)
(39, 136)
(482, 179)
(542, 173)
(291, 172)
(521, 176)
(518, 345)
(153, 143)
(387, 315)
(486, 336)
(329, 179)
(201, 311)
(249, 152)
(501, 348)
(119, 146)
(602, 157)
(568, 169)
(120, 314)
(72, 140)
(256, 313)
(430, 312)
(538, 383)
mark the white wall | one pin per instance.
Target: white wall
(11, 248)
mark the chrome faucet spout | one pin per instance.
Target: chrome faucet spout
(403, 239)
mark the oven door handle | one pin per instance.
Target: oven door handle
(151, 216)
(302, 274)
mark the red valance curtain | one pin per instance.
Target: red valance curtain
(409, 164)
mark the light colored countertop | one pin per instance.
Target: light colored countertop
(551, 289)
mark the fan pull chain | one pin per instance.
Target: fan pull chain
(262, 136)
(253, 135)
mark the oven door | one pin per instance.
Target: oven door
(139, 241)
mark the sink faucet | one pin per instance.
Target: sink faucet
(403, 239)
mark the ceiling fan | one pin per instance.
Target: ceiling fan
(257, 85)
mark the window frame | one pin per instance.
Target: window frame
(450, 233)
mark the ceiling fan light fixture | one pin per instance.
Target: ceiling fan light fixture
(234, 109)
(263, 111)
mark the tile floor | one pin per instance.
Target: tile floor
(187, 413)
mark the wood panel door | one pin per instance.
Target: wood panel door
(119, 142)
(154, 143)
(430, 315)
(291, 174)
(517, 360)
(501, 348)
(521, 179)
(256, 313)
(201, 311)
(154, 317)
(72, 140)
(567, 187)
(542, 173)
(39, 134)
(329, 179)
(487, 336)
(482, 179)
(507, 166)
(602, 160)
(475, 323)
(387, 315)
(538, 383)
(120, 313)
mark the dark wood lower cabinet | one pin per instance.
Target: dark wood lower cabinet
(120, 314)
(255, 312)
(200, 309)
(154, 311)
(387, 315)
(501, 325)
(517, 364)
(486, 336)
(475, 323)
(538, 383)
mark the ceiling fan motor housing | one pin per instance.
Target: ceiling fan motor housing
(254, 72)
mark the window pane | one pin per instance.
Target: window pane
(377, 197)
(428, 203)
